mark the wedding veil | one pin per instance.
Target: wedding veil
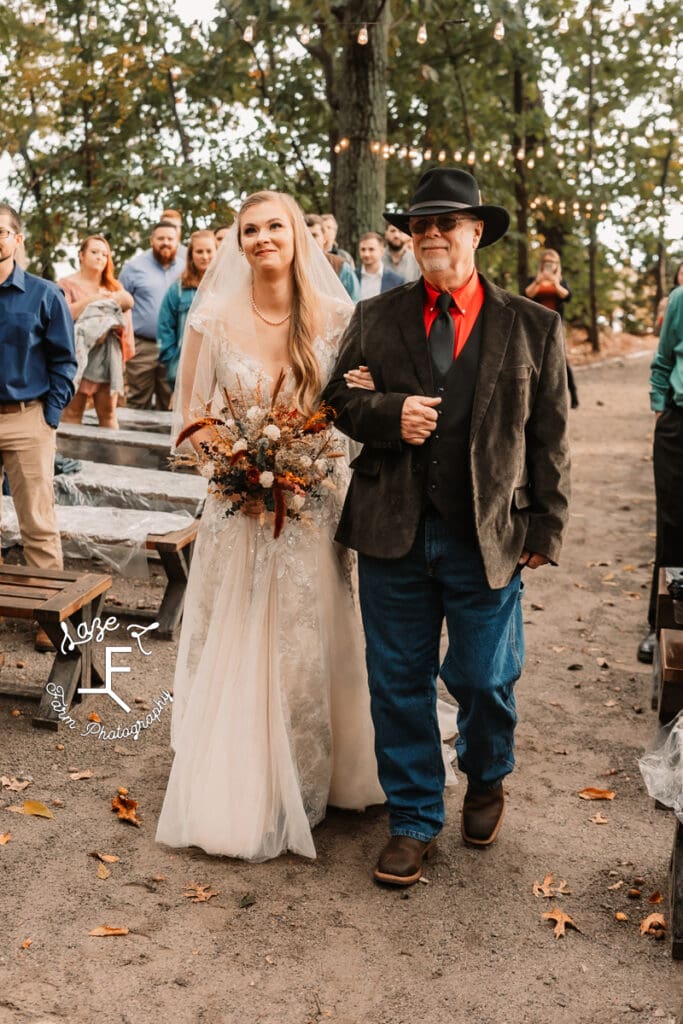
(221, 315)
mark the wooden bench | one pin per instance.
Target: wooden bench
(94, 532)
(141, 448)
(98, 483)
(53, 597)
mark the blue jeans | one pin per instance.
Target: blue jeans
(404, 602)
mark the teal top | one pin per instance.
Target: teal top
(666, 371)
(172, 316)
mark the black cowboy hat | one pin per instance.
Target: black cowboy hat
(449, 190)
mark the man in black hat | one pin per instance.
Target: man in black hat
(463, 482)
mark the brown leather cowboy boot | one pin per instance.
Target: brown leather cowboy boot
(482, 814)
(400, 862)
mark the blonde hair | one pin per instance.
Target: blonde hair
(303, 322)
(554, 254)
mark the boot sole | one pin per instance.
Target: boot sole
(382, 876)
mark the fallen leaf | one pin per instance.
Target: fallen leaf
(105, 929)
(562, 889)
(87, 774)
(26, 943)
(607, 577)
(106, 858)
(537, 607)
(122, 791)
(634, 894)
(125, 808)
(621, 916)
(628, 568)
(610, 704)
(561, 920)
(94, 717)
(158, 878)
(599, 820)
(574, 667)
(15, 713)
(103, 872)
(57, 802)
(656, 897)
(59, 746)
(653, 924)
(591, 793)
(247, 901)
(15, 785)
(33, 807)
(545, 887)
(4, 839)
(617, 885)
(200, 893)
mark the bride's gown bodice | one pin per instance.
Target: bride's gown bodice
(271, 719)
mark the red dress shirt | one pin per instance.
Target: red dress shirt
(468, 302)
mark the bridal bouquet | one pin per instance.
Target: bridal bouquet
(265, 458)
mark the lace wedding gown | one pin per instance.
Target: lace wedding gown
(271, 719)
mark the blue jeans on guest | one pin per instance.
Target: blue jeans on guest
(404, 602)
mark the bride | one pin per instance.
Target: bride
(271, 719)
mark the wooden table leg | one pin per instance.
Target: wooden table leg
(177, 567)
(676, 894)
(70, 669)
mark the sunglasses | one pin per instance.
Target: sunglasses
(444, 222)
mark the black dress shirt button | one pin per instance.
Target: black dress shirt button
(435, 462)
(436, 437)
(432, 487)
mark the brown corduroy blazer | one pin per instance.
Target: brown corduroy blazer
(518, 445)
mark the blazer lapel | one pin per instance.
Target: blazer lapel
(495, 335)
(408, 312)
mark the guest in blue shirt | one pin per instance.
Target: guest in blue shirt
(148, 277)
(38, 364)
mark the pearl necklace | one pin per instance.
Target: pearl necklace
(259, 314)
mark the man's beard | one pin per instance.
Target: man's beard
(395, 246)
(435, 263)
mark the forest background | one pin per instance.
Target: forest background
(569, 114)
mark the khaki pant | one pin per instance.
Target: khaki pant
(27, 455)
(146, 377)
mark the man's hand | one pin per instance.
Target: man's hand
(528, 560)
(418, 418)
(360, 378)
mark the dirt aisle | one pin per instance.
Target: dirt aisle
(291, 942)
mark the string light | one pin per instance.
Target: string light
(442, 156)
(540, 152)
(363, 37)
(471, 157)
(422, 34)
(499, 31)
(142, 28)
(194, 31)
(92, 23)
(305, 36)
(457, 156)
(563, 25)
(248, 35)
(629, 18)
(519, 155)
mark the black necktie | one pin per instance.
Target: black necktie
(442, 335)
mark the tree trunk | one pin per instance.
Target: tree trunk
(593, 332)
(360, 180)
(520, 186)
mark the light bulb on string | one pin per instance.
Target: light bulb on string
(501, 161)
(142, 28)
(499, 31)
(563, 25)
(471, 157)
(531, 163)
(540, 152)
(427, 155)
(305, 36)
(194, 31)
(457, 156)
(362, 38)
(39, 17)
(422, 34)
(486, 157)
(442, 156)
(629, 18)
(519, 155)
(248, 35)
(92, 23)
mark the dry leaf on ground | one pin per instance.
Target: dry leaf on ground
(545, 887)
(105, 929)
(4, 839)
(103, 872)
(94, 717)
(617, 885)
(33, 807)
(591, 793)
(621, 916)
(199, 893)
(106, 858)
(125, 808)
(87, 774)
(656, 897)
(26, 943)
(653, 924)
(15, 785)
(561, 920)
(599, 820)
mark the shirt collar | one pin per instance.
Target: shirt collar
(17, 278)
(462, 297)
(366, 273)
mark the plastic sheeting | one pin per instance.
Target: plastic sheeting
(100, 484)
(114, 536)
(662, 768)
